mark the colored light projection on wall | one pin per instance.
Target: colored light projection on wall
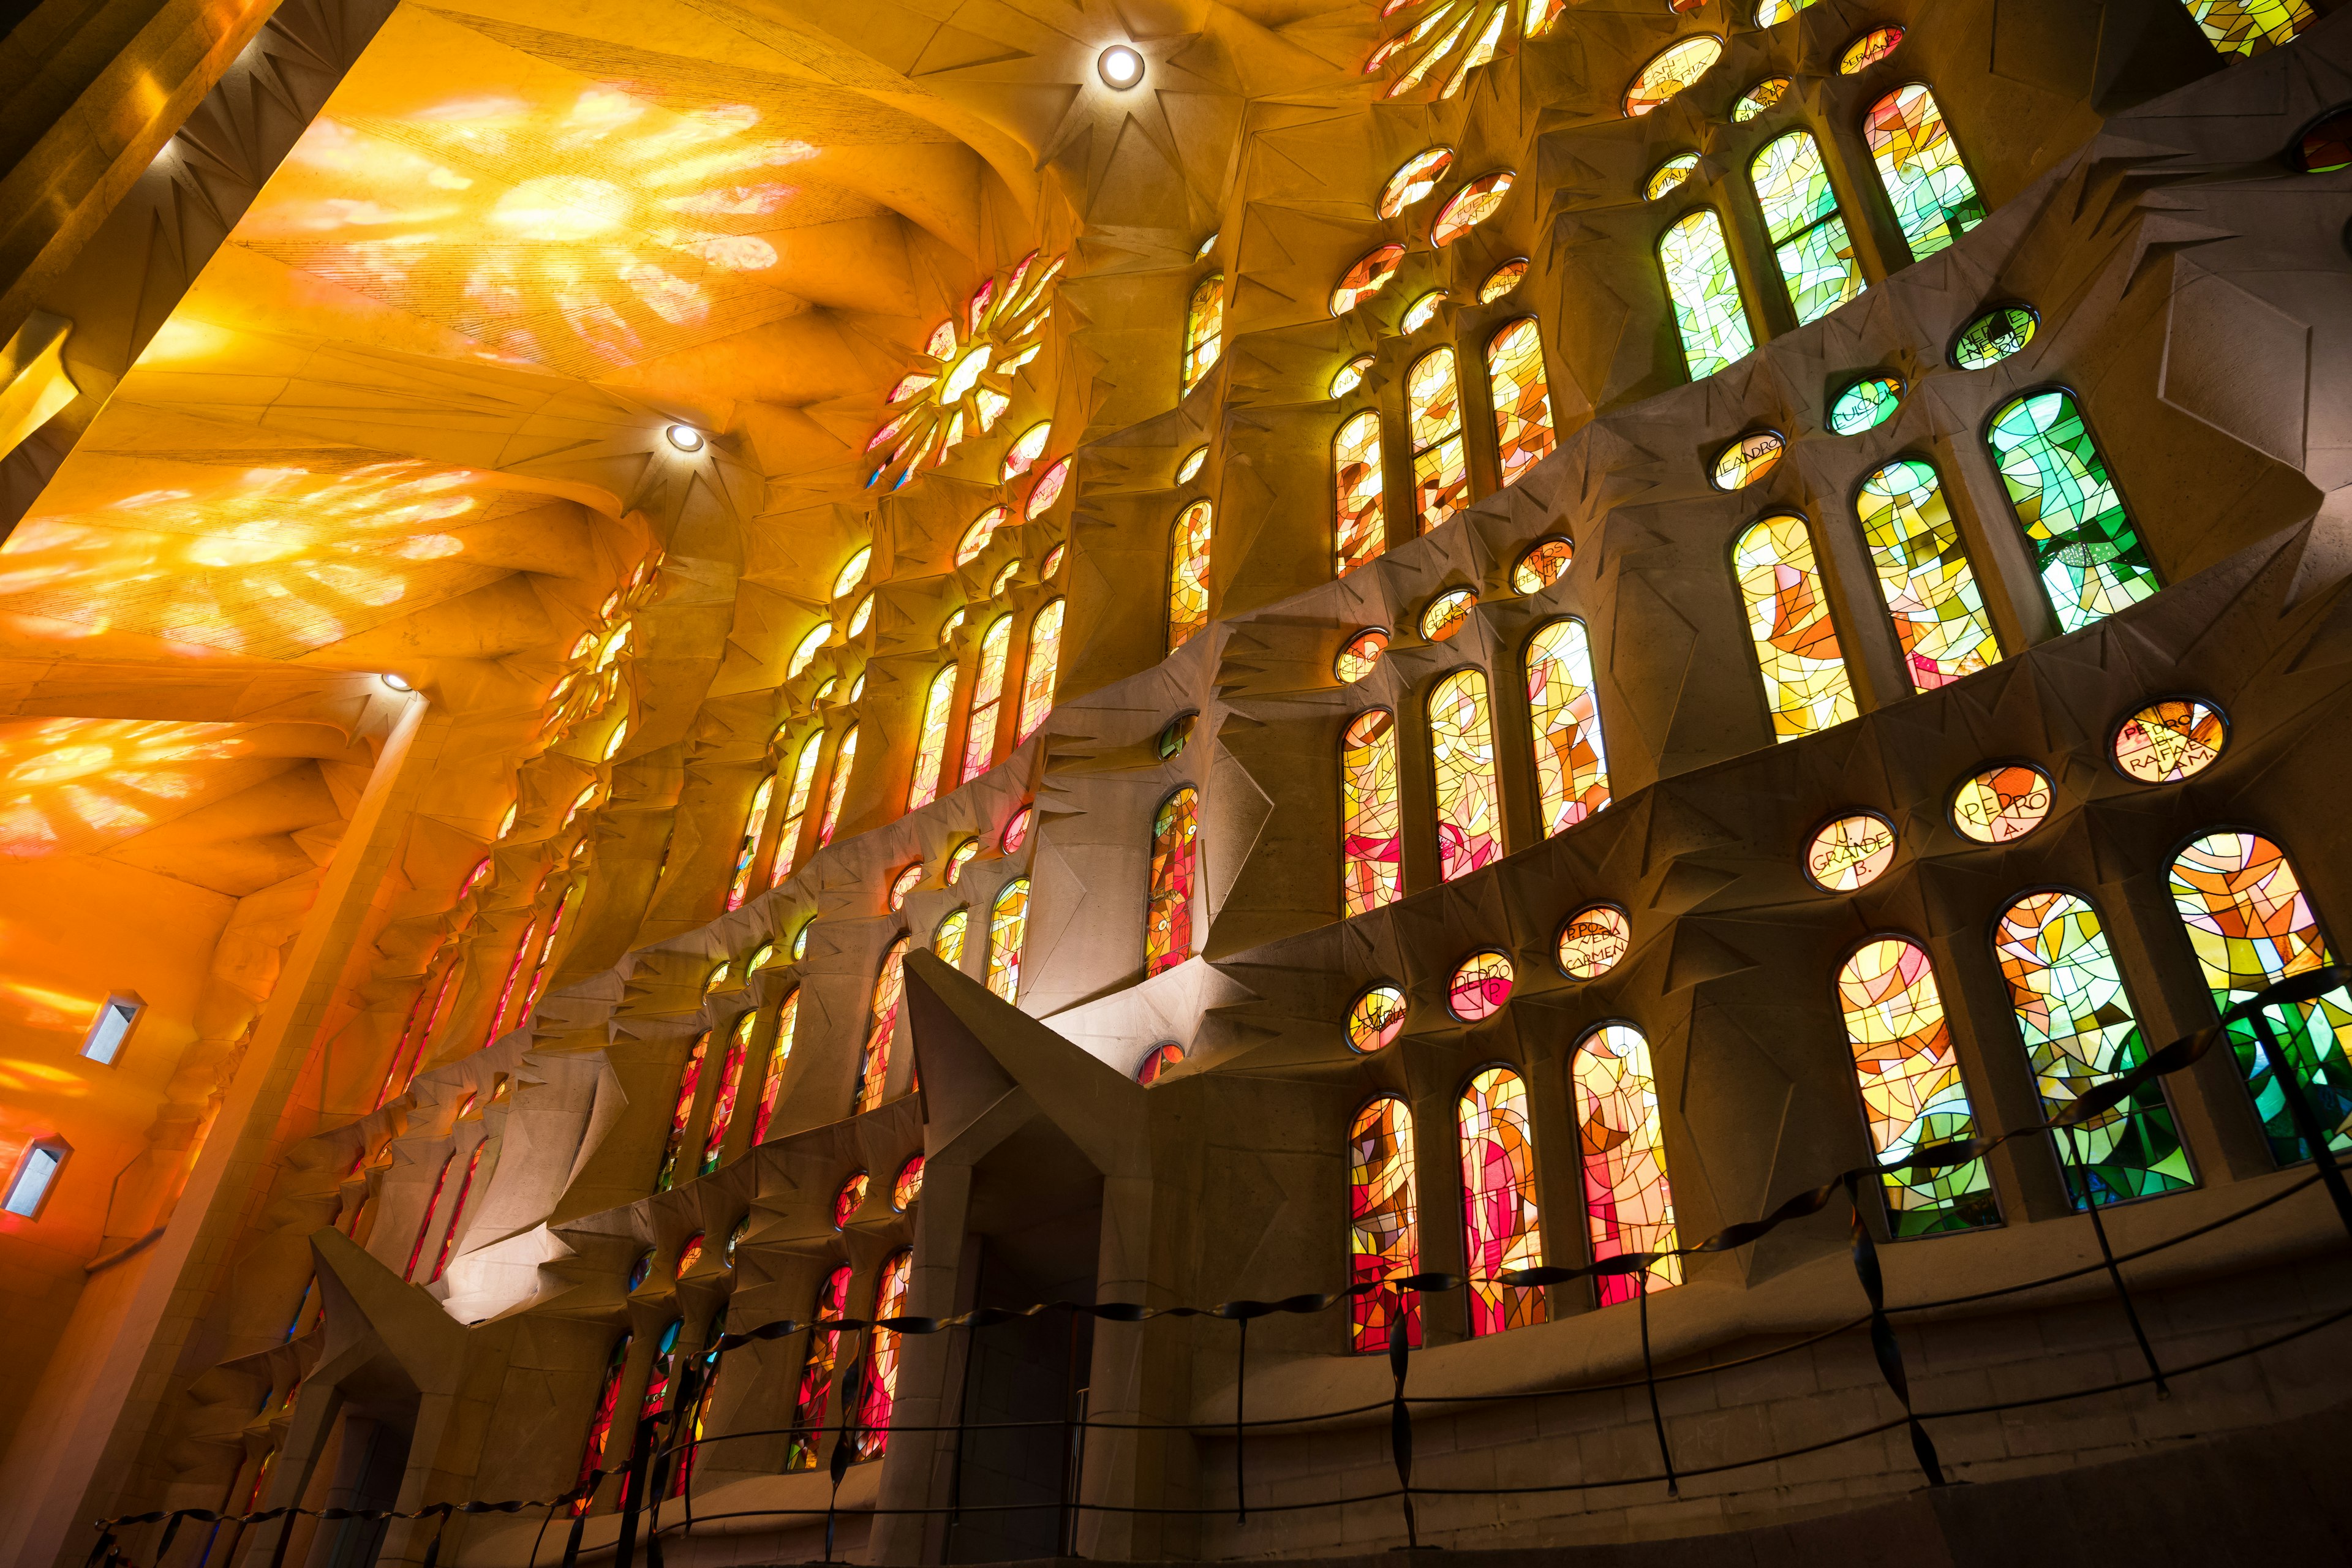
(1800, 214)
(1709, 311)
(1500, 1226)
(1919, 165)
(1187, 573)
(1806, 687)
(780, 1051)
(1911, 1095)
(2250, 27)
(879, 1394)
(1441, 468)
(1572, 763)
(1924, 575)
(1371, 814)
(873, 1061)
(1522, 400)
(802, 1449)
(1360, 530)
(1629, 1204)
(2076, 1020)
(1383, 1223)
(2092, 560)
(1008, 924)
(1037, 675)
(1462, 755)
(1175, 867)
(962, 383)
(2166, 741)
(2251, 925)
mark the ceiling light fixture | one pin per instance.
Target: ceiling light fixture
(398, 683)
(685, 438)
(1121, 68)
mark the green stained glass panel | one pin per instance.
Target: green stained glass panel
(2092, 560)
(1866, 405)
(1919, 164)
(1709, 311)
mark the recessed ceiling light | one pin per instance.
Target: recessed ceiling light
(1121, 66)
(685, 438)
(398, 683)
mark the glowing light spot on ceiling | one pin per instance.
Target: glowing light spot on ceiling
(564, 207)
(735, 252)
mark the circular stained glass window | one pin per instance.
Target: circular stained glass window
(1592, 940)
(850, 1200)
(904, 885)
(1376, 1019)
(1758, 98)
(689, 1254)
(1422, 311)
(1363, 651)
(1368, 277)
(1994, 336)
(959, 857)
(908, 1185)
(2002, 802)
(2328, 145)
(1869, 49)
(1866, 405)
(1673, 68)
(1163, 1056)
(1047, 489)
(1350, 376)
(1503, 279)
(1850, 852)
(1053, 561)
(800, 939)
(2166, 741)
(735, 1239)
(1471, 206)
(1542, 565)
(1016, 832)
(1417, 177)
(1480, 987)
(640, 1267)
(1004, 579)
(1446, 613)
(1747, 460)
(1174, 738)
(1669, 175)
(1190, 469)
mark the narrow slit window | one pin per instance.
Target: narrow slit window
(796, 804)
(1629, 1204)
(1008, 923)
(880, 1394)
(837, 790)
(1042, 667)
(987, 698)
(731, 1088)
(804, 1449)
(600, 1422)
(1361, 531)
(1175, 869)
(690, 1083)
(36, 1178)
(111, 1028)
(874, 1062)
(1187, 573)
(1370, 815)
(932, 739)
(1709, 314)
(1462, 755)
(1204, 329)
(755, 824)
(779, 1052)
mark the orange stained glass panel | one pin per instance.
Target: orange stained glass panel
(1441, 472)
(1371, 850)
(1522, 401)
(1361, 531)
(1628, 1205)
(1461, 754)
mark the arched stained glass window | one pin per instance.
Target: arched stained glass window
(2092, 560)
(683, 1476)
(599, 1420)
(457, 1213)
(689, 1082)
(1572, 765)
(796, 804)
(1911, 1095)
(1188, 574)
(1383, 1223)
(1522, 398)
(837, 790)
(1371, 852)
(780, 1051)
(1923, 574)
(1038, 674)
(1629, 1203)
(1175, 872)
(1809, 236)
(1360, 532)
(2249, 26)
(1441, 466)
(514, 978)
(874, 1062)
(879, 1395)
(1461, 754)
(731, 1088)
(1709, 311)
(931, 740)
(1204, 328)
(2076, 1019)
(2253, 925)
(823, 1354)
(755, 823)
(987, 697)
(1008, 923)
(658, 1375)
(947, 938)
(1500, 1228)
(1919, 164)
(1806, 687)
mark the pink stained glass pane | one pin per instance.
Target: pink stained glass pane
(600, 1423)
(1628, 1205)
(874, 1062)
(1360, 532)
(987, 697)
(1441, 470)
(1480, 987)
(780, 1051)
(983, 527)
(1008, 923)
(880, 1393)
(1175, 866)
(1371, 849)
(1376, 1019)
(1473, 204)
(1461, 754)
(1500, 1226)
(1187, 573)
(1037, 678)
(1047, 489)
(1522, 399)
(850, 1199)
(1383, 1223)
(456, 1217)
(1572, 765)
(801, 1453)
(731, 1088)
(1017, 831)
(689, 1081)
(908, 1186)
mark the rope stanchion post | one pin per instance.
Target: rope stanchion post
(2306, 1122)
(1882, 1333)
(2107, 1254)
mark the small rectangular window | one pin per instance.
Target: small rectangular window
(38, 1173)
(111, 1028)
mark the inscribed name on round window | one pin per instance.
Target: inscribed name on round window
(959, 857)
(1367, 277)
(2001, 804)
(1446, 613)
(1480, 987)
(1850, 852)
(1994, 336)
(1422, 311)
(2166, 741)
(1376, 1019)
(1350, 376)
(1869, 49)
(1360, 656)
(1759, 97)
(1503, 279)
(1473, 204)
(1417, 177)
(1016, 832)
(2326, 147)
(1672, 69)
(1542, 565)
(1593, 940)
(1866, 405)
(1047, 489)
(1747, 460)
(1669, 175)
(1026, 448)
